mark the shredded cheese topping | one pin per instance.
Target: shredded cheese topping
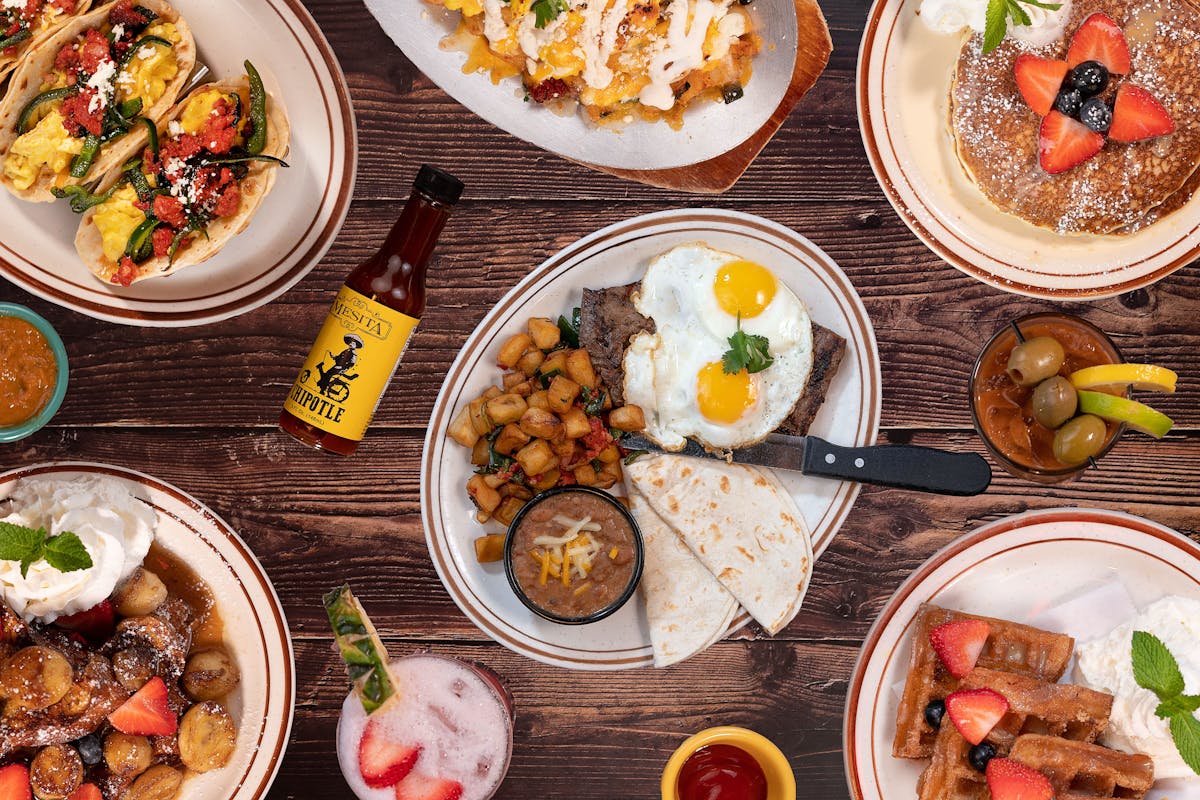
(570, 555)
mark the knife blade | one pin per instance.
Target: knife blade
(899, 466)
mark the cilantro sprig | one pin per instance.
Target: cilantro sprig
(1000, 11)
(64, 552)
(546, 11)
(1156, 670)
(746, 352)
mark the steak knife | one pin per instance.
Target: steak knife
(900, 466)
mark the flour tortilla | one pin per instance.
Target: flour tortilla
(32, 44)
(26, 84)
(740, 523)
(688, 609)
(254, 188)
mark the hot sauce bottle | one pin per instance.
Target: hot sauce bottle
(367, 330)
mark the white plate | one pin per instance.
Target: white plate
(1016, 568)
(614, 256)
(709, 129)
(904, 74)
(293, 228)
(256, 631)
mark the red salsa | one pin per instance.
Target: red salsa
(722, 772)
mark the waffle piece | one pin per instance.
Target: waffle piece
(1035, 707)
(1010, 647)
(1082, 771)
(996, 133)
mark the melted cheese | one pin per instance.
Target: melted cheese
(681, 50)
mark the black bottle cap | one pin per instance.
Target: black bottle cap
(439, 185)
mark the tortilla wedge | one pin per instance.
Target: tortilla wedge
(196, 249)
(26, 82)
(46, 29)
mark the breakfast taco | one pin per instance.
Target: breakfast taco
(75, 104)
(25, 23)
(199, 180)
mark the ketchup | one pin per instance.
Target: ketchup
(722, 772)
(368, 328)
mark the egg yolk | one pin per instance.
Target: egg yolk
(722, 397)
(744, 288)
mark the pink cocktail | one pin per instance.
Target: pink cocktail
(458, 714)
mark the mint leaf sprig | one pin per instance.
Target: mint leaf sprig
(1156, 670)
(1000, 11)
(65, 552)
(746, 352)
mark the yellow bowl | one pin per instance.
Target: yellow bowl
(781, 782)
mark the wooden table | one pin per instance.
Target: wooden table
(198, 406)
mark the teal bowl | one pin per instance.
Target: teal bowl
(31, 426)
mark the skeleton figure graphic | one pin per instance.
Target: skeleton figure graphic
(334, 380)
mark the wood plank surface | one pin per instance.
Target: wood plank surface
(197, 407)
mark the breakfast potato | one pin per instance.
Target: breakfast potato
(512, 350)
(461, 429)
(555, 364)
(523, 389)
(545, 333)
(483, 495)
(479, 453)
(585, 475)
(511, 379)
(610, 454)
(478, 415)
(627, 418)
(575, 423)
(541, 424)
(529, 363)
(562, 394)
(492, 391)
(580, 370)
(505, 409)
(539, 399)
(535, 457)
(547, 480)
(508, 510)
(490, 548)
(516, 490)
(511, 439)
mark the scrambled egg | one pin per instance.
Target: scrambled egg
(47, 144)
(198, 109)
(116, 219)
(152, 68)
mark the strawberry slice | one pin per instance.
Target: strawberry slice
(1099, 38)
(14, 783)
(383, 762)
(86, 791)
(147, 712)
(959, 643)
(1039, 80)
(975, 712)
(1065, 143)
(1138, 115)
(418, 786)
(1012, 780)
(95, 624)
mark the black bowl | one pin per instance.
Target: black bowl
(639, 558)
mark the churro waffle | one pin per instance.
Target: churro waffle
(1035, 706)
(997, 137)
(1083, 771)
(1010, 647)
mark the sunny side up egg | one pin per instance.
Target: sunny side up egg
(695, 295)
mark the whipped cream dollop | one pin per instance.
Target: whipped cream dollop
(954, 16)
(115, 527)
(1106, 665)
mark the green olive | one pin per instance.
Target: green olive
(1079, 439)
(1054, 402)
(1034, 360)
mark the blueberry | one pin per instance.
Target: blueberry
(1096, 114)
(980, 755)
(1090, 78)
(934, 713)
(1068, 102)
(90, 749)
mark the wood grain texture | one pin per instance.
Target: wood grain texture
(197, 407)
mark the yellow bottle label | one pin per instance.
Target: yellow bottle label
(359, 347)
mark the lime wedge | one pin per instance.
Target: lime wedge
(1119, 409)
(362, 650)
(1115, 377)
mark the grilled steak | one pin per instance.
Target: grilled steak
(608, 320)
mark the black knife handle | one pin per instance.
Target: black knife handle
(902, 466)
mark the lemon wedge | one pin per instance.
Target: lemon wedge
(1136, 415)
(1115, 377)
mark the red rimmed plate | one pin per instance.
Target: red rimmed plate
(290, 233)
(255, 632)
(614, 256)
(1015, 568)
(904, 73)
